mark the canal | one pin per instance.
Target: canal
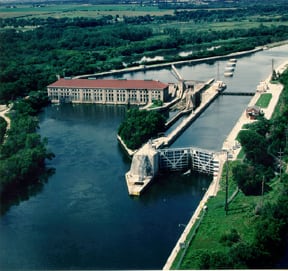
(83, 217)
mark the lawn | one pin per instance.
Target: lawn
(215, 223)
(264, 100)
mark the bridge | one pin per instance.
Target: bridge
(234, 93)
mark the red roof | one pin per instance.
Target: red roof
(109, 83)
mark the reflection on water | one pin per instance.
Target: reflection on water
(19, 192)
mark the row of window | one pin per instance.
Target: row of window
(104, 90)
(98, 95)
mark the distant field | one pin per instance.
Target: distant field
(98, 11)
(218, 26)
(85, 10)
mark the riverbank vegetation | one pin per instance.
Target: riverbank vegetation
(22, 153)
(253, 233)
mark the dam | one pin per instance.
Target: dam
(148, 162)
(154, 157)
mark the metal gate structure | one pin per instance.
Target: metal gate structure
(180, 159)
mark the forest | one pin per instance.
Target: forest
(23, 152)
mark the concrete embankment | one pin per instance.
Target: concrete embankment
(207, 98)
(275, 91)
(229, 143)
(129, 151)
(164, 65)
(187, 111)
(135, 181)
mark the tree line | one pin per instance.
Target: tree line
(22, 151)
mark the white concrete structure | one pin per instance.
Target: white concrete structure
(108, 91)
(144, 167)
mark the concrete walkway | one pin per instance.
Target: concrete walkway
(229, 143)
(275, 89)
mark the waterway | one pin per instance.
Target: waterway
(83, 217)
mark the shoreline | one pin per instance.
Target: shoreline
(228, 144)
(176, 62)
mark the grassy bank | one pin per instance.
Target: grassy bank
(216, 223)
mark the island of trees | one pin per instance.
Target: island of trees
(139, 126)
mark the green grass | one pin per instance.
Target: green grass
(215, 223)
(264, 100)
(241, 154)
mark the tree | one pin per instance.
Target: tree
(139, 126)
(248, 179)
(255, 147)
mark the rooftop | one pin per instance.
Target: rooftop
(109, 83)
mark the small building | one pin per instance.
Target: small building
(252, 112)
(107, 91)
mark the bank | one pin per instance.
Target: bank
(208, 225)
(169, 64)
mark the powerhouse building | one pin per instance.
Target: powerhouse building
(107, 91)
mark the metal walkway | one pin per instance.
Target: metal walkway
(181, 159)
(234, 93)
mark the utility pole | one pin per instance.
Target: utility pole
(274, 76)
(226, 185)
(286, 135)
(262, 192)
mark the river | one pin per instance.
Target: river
(83, 217)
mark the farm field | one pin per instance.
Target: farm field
(79, 10)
